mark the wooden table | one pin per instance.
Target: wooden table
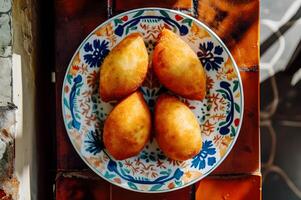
(236, 22)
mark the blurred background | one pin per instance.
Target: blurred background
(280, 84)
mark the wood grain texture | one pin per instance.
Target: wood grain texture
(81, 186)
(231, 188)
(121, 5)
(236, 22)
(119, 193)
(74, 21)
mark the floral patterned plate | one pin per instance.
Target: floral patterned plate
(219, 114)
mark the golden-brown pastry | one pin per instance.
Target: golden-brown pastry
(177, 130)
(124, 69)
(178, 67)
(127, 128)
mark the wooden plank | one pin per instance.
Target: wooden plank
(231, 188)
(121, 5)
(236, 22)
(119, 193)
(244, 157)
(81, 185)
(74, 21)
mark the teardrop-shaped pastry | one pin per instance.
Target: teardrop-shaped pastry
(127, 128)
(177, 130)
(124, 69)
(178, 67)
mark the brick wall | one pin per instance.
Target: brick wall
(8, 182)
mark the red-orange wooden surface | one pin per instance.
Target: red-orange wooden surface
(236, 22)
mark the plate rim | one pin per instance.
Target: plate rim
(234, 66)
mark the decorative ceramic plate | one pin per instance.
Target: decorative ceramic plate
(219, 114)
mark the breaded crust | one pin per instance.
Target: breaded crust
(178, 68)
(177, 130)
(127, 128)
(124, 69)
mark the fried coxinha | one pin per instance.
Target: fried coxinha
(127, 128)
(124, 69)
(177, 66)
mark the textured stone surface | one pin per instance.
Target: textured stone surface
(9, 188)
(7, 121)
(2, 148)
(5, 53)
(5, 5)
(6, 78)
(8, 182)
(5, 35)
